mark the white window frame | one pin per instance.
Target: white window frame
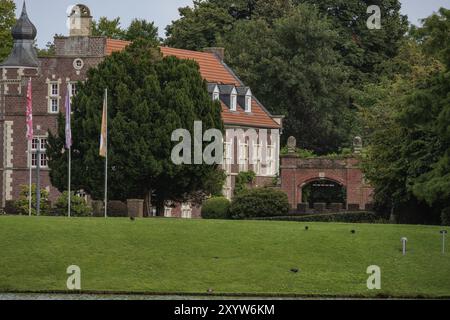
(248, 103)
(216, 94)
(270, 159)
(233, 100)
(243, 156)
(43, 152)
(50, 105)
(257, 159)
(73, 87)
(227, 156)
(53, 89)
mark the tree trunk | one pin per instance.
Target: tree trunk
(392, 217)
(148, 204)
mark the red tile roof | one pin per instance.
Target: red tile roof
(213, 70)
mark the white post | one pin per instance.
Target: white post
(106, 158)
(29, 166)
(404, 240)
(70, 172)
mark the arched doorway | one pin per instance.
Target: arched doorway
(323, 191)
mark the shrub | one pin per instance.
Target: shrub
(79, 207)
(347, 217)
(216, 208)
(445, 217)
(117, 209)
(243, 179)
(11, 207)
(259, 202)
(22, 204)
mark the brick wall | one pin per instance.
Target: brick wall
(297, 172)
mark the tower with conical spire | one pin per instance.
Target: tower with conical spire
(23, 54)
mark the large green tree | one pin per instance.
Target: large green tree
(364, 49)
(142, 29)
(149, 97)
(7, 21)
(200, 26)
(293, 68)
(407, 117)
(108, 28)
(138, 29)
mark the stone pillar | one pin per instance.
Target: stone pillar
(135, 208)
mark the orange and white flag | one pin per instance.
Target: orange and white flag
(104, 130)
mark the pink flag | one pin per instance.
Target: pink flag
(68, 120)
(29, 113)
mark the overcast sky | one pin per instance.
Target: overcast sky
(50, 16)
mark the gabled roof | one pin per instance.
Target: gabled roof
(213, 70)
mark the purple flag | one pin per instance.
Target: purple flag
(68, 118)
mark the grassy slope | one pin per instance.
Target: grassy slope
(161, 255)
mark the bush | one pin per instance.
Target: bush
(216, 208)
(259, 202)
(79, 207)
(243, 180)
(22, 204)
(445, 217)
(11, 207)
(348, 217)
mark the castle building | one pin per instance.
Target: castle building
(74, 55)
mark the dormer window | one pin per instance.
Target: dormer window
(248, 101)
(233, 100)
(216, 94)
(214, 91)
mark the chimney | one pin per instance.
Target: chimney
(80, 20)
(218, 51)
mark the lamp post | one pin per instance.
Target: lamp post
(404, 240)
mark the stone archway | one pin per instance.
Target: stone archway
(296, 172)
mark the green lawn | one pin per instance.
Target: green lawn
(190, 256)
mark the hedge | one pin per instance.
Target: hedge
(216, 208)
(349, 217)
(79, 207)
(259, 202)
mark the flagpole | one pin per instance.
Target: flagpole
(69, 195)
(69, 145)
(29, 190)
(106, 158)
